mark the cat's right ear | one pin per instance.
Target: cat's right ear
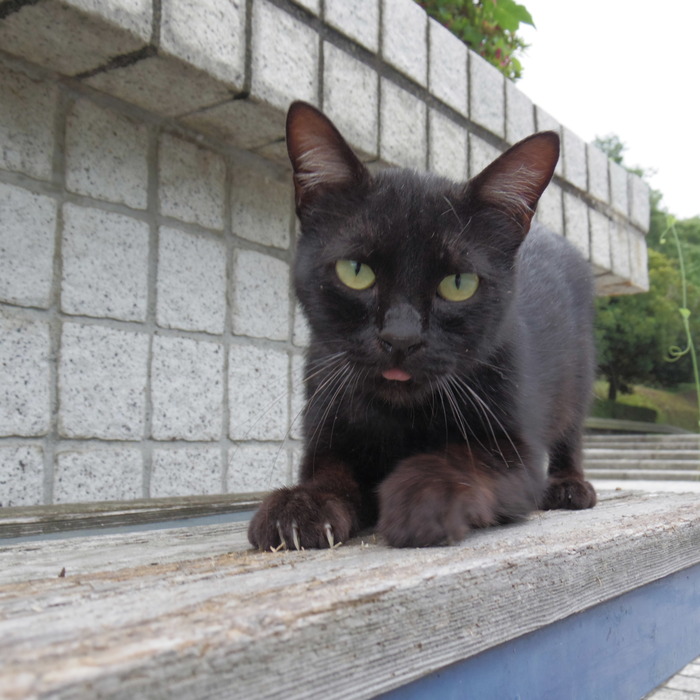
(321, 158)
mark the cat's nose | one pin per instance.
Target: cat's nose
(402, 329)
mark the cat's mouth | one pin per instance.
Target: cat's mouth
(396, 375)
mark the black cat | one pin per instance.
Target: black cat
(451, 357)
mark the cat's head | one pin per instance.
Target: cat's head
(408, 277)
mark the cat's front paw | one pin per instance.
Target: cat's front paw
(568, 493)
(301, 517)
(426, 501)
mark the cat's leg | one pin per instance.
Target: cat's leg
(320, 512)
(566, 486)
(433, 499)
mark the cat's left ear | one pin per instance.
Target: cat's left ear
(515, 181)
(320, 156)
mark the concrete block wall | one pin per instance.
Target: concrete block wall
(149, 342)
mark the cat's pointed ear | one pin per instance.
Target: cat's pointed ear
(515, 181)
(320, 156)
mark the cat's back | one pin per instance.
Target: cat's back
(554, 321)
(553, 275)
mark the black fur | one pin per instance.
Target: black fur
(499, 383)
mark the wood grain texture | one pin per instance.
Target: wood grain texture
(36, 520)
(195, 613)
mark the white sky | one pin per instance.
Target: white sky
(628, 67)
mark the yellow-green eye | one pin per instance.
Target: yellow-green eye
(355, 275)
(458, 287)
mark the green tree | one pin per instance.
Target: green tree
(489, 27)
(634, 333)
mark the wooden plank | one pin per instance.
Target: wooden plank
(36, 520)
(622, 648)
(195, 613)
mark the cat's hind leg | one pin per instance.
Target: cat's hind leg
(566, 486)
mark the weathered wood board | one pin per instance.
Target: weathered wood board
(42, 520)
(193, 612)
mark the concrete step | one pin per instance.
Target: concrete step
(644, 474)
(686, 439)
(642, 457)
(665, 465)
(647, 446)
(595, 453)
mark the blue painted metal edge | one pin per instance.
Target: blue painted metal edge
(621, 649)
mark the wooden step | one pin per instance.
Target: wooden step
(194, 612)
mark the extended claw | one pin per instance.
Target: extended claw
(295, 535)
(329, 535)
(283, 542)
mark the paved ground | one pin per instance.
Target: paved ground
(685, 685)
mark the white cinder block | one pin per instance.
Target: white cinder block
(27, 235)
(24, 377)
(260, 296)
(258, 393)
(351, 98)
(600, 242)
(296, 430)
(74, 36)
(27, 109)
(358, 19)
(546, 122)
(313, 6)
(618, 188)
(285, 57)
(187, 389)
(208, 34)
(576, 223)
(301, 331)
(186, 471)
(448, 148)
(448, 68)
(102, 383)
(21, 475)
(574, 156)
(242, 123)
(481, 154)
(550, 209)
(404, 38)
(106, 155)
(639, 201)
(520, 114)
(402, 132)
(105, 264)
(257, 468)
(620, 251)
(163, 85)
(262, 205)
(191, 282)
(192, 182)
(486, 95)
(598, 183)
(639, 267)
(104, 474)
(297, 455)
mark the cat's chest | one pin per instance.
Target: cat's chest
(382, 439)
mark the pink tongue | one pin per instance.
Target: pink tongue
(396, 375)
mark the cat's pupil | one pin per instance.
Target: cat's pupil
(358, 267)
(458, 280)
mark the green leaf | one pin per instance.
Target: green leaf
(685, 313)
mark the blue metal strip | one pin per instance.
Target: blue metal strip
(621, 649)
